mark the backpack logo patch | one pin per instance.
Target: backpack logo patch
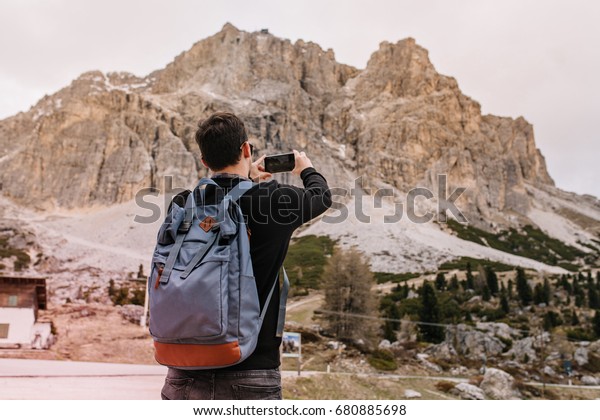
(207, 224)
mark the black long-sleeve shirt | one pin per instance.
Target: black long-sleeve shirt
(273, 212)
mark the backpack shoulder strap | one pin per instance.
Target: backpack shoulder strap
(181, 232)
(240, 189)
(282, 302)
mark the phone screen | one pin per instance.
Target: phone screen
(284, 162)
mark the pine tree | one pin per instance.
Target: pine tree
(504, 303)
(593, 298)
(551, 320)
(470, 280)
(574, 318)
(596, 324)
(430, 313)
(523, 288)
(486, 295)
(492, 280)
(578, 291)
(141, 274)
(566, 285)
(510, 289)
(579, 300)
(390, 327)
(453, 284)
(347, 284)
(440, 282)
(547, 292)
(538, 294)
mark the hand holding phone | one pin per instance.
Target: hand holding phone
(283, 162)
(302, 162)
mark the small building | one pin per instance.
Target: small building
(20, 300)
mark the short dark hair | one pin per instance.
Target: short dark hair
(220, 137)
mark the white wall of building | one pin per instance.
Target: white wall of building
(20, 321)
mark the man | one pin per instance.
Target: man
(273, 212)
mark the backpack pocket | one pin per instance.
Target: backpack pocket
(193, 308)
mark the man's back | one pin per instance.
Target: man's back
(273, 211)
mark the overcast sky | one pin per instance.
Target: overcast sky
(537, 59)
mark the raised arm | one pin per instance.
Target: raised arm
(300, 205)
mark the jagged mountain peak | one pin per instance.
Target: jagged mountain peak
(401, 69)
(232, 62)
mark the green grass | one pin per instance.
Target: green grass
(461, 264)
(306, 259)
(341, 386)
(381, 277)
(569, 266)
(529, 242)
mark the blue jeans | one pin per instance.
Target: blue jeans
(225, 385)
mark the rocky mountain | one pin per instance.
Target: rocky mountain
(397, 123)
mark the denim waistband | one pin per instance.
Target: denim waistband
(256, 373)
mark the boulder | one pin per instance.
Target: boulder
(595, 347)
(458, 371)
(522, 350)
(589, 380)
(467, 391)
(472, 343)
(422, 357)
(581, 356)
(132, 313)
(555, 355)
(334, 345)
(499, 385)
(385, 344)
(549, 371)
(442, 351)
(411, 394)
(498, 329)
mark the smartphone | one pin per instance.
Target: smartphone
(284, 162)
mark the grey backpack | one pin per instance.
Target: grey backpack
(204, 307)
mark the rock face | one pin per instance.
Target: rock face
(408, 123)
(471, 343)
(523, 350)
(499, 385)
(106, 136)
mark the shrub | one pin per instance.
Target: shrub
(579, 334)
(529, 242)
(306, 260)
(383, 360)
(445, 386)
(381, 277)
